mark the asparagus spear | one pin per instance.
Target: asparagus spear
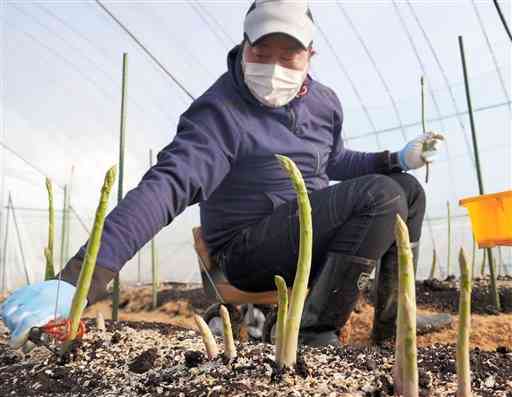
(87, 270)
(212, 349)
(463, 366)
(300, 283)
(406, 369)
(229, 343)
(282, 309)
(49, 272)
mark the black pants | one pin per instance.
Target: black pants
(355, 217)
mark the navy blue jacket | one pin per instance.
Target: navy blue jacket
(223, 158)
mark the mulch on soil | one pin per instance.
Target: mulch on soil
(443, 295)
(143, 359)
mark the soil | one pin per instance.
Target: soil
(160, 359)
(443, 295)
(154, 355)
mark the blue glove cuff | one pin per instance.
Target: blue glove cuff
(401, 159)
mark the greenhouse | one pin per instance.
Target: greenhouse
(91, 84)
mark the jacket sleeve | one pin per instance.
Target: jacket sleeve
(347, 164)
(187, 171)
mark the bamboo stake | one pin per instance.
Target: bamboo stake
(20, 241)
(473, 259)
(424, 128)
(4, 253)
(212, 349)
(300, 283)
(434, 262)
(116, 291)
(68, 217)
(139, 268)
(463, 365)
(494, 290)
(406, 367)
(49, 272)
(501, 266)
(449, 247)
(155, 272)
(229, 342)
(89, 263)
(482, 266)
(63, 229)
(282, 310)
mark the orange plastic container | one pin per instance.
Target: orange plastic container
(491, 218)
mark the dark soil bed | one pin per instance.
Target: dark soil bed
(443, 295)
(147, 359)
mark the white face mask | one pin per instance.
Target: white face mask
(272, 84)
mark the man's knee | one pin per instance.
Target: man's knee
(382, 194)
(414, 192)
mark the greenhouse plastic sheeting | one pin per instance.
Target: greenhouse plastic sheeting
(61, 86)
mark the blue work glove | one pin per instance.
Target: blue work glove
(34, 306)
(419, 151)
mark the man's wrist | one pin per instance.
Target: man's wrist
(396, 162)
(388, 163)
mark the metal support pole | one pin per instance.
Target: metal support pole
(449, 247)
(4, 256)
(139, 268)
(502, 18)
(20, 243)
(501, 266)
(116, 289)
(495, 295)
(154, 260)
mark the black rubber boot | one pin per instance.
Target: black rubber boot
(333, 297)
(386, 299)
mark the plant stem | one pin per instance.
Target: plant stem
(463, 366)
(406, 323)
(89, 263)
(49, 271)
(300, 283)
(282, 309)
(229, 342)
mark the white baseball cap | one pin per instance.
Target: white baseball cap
(290, 17)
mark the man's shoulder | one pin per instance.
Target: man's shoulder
(220, 93)
(324, 93)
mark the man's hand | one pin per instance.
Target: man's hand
(34, 306)
(419, 151)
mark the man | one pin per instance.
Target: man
(223, 158)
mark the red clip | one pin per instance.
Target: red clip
(61, 329)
